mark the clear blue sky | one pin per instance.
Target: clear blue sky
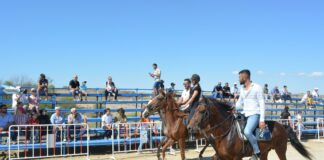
(282, 42)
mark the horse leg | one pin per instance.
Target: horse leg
(165, 147)
(264, 156)
(159, 147)
(281, 151)
(203, 150)
(182, 145)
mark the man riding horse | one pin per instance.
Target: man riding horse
(252, 101)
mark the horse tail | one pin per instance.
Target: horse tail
(297, 145)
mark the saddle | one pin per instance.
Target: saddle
(264, 134)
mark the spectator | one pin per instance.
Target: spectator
(218, 91)
(299, 125)
(275, 94)
(6, 119)
(227, 91)
(144, 133)
(308, 99)
(33, 101)
(43, 118)
(121, 117)
(74, 87)
(185, 96)
(315, 93)
(162, 84)
(236, 92)
(285, 116)
(84, 90)
(172, 88)
(33, 131)
(58, 118)
(20, 118)
(106, 123)
(75, 119)
(111, 89)
(286, 95)
(42, 86)
(156, 75)
(266, 92)
(121, 120)
(21, 96)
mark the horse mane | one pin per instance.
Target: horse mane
(212, 102)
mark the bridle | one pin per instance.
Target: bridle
(207, 116)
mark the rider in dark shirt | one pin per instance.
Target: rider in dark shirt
(195, 94)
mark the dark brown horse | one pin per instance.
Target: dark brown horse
(217, 119)
(172, 120)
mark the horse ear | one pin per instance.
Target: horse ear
(161, 92)
(203, 100)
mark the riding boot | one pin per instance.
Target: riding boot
(255, 157)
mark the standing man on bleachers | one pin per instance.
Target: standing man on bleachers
(6, 119)
(74, 87)
(156, 75)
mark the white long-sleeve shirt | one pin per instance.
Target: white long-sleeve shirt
(252, 101)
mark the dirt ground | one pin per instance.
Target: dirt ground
(315, 147)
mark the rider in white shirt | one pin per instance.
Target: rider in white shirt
(252, 101)
(185, 96)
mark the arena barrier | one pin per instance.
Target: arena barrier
(47, 141)
(320, 129)
(135, 137)
(200, 143)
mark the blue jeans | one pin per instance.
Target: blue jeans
(251, 124)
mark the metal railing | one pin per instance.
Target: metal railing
(47, 141)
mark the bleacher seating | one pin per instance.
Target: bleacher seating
(273, 112)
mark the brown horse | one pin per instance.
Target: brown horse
(217, 119)
(172, 120)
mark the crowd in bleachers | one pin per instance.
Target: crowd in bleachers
(27, 105)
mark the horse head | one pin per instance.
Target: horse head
(155, 104)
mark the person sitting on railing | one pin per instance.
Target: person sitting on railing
(21, 96)
(227, 91)
(44, 118)
(106, 123)
(6, 119)
(121, 119)
(218, 91)
(316, 95)
(266, 92)
(285, 116)
(308, 99)
(172, 88)
(33, 132)
(20, 118)
(58, 118)
(185, 96)
(84, 90)
(111, 89)
(276, 94)
(74, 87)
(236, 92)
(76, 129)
(34, 100)
(286, 95)
(42, 86)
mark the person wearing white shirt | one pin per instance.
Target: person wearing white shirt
(315, 93)
(156, 75)
(106, 123)
(185, 96)
(252, 101)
